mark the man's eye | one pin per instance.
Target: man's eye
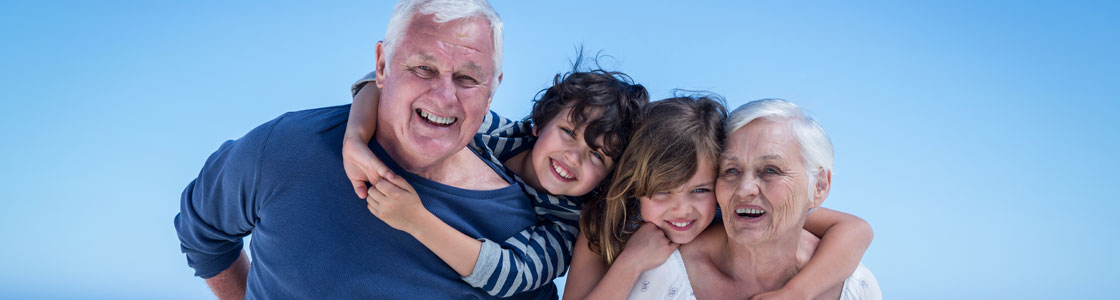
(423, 71)
(466, 80)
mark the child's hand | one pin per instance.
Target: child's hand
(361, 165)
(395, 202)
(647, 248)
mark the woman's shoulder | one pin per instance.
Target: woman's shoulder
(861, 286)
(707, 243)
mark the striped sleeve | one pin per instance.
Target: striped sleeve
(538, 254)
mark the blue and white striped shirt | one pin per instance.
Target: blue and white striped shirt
(538, 254)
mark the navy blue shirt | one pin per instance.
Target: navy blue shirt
(283, 182)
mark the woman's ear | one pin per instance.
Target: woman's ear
(824, 183)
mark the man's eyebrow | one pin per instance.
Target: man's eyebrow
(474, 68)
(425, 56)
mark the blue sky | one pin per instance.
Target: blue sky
(979, 139)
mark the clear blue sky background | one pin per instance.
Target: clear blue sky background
(979, 139)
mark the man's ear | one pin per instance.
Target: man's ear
(823, 185)
(379, 68)
(494, 89)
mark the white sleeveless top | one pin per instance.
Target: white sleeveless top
(667, 281)
(670, 281)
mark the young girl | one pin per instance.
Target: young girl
(662, 196)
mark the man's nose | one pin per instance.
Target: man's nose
(443, 90)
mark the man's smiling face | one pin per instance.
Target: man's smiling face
(437, 90)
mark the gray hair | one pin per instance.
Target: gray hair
(443, 11)
(816, 147)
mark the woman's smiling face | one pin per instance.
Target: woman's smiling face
(685, 211)
(762, 186)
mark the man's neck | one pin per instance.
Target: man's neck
(463, 169)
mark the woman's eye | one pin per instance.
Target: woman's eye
(771, 171)
(730, 172)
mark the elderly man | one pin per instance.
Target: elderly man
(284, 182)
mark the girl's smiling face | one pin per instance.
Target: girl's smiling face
(685, 211)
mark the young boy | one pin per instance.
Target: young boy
(563, 150)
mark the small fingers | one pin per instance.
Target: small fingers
(360, 187)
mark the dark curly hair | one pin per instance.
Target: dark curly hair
(604, 103)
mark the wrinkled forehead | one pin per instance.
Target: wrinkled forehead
(469, 36)
(762, 139)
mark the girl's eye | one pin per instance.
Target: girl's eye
(701, 190)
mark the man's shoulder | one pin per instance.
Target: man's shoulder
(315, 120)
(298, 134)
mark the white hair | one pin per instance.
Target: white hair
(443, 11)
(816, 147)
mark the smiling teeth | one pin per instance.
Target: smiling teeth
(437, 119)
(560, 171)
(681, 224)
(749, 211)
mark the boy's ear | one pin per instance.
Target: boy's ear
(379, 68)
(824, 184)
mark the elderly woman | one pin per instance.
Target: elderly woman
(776, 167)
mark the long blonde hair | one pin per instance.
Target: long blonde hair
(664, 153)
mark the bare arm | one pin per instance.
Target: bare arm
(230, 283)
(586, 272)
(361, 165)
(646, 249)
(844, 239)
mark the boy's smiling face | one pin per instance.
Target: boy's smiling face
(563, 161)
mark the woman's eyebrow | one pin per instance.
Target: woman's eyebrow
(770, 157)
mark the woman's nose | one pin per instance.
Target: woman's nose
(747, 187)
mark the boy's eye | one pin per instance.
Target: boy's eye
(569, 132)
